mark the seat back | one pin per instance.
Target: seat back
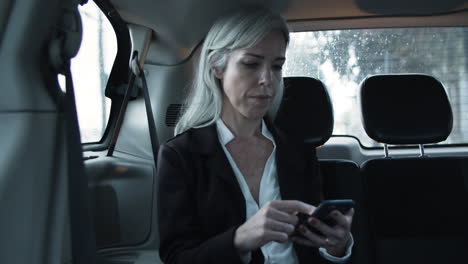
(418, 206)
(342, 180)
(306, 112)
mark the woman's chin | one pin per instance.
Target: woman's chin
(256, 115)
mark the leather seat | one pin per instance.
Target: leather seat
(306, 112)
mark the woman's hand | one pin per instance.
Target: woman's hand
(275, 221)
(335, 239)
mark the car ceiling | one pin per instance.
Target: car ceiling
(185, 22)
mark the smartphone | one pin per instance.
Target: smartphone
(326, 207)
(322, 212)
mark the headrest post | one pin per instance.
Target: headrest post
(421, 150)
(386, 150)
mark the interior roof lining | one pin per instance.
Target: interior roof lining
(464, 10)
(455, 18)
(355, 23)
(458, 19)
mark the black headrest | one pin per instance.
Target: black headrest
(405, 109)
(306, 110)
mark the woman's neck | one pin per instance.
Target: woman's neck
(241, 126)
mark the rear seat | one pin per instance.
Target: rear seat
(418, 206)
(306, 112)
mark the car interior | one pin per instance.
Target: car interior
(376, 89)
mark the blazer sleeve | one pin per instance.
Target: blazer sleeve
(181, 236)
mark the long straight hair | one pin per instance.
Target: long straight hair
(240, 30)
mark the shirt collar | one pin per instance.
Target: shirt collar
(225, 135)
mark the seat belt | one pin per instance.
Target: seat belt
(137, 71)
(81, 224)
(149, 116)
(62, 48)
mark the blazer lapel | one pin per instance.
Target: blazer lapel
(206, 143)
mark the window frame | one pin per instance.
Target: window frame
(118, 76)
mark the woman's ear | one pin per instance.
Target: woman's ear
(218, 72)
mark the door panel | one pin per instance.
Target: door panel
(122, 195)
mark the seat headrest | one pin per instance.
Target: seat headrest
(306, 110)
(405, 109)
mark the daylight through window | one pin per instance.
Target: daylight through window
(343, 58)
(91, 69)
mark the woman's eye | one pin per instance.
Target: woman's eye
(250, 64)
(277, 67)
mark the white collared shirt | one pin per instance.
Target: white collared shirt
(273, 252)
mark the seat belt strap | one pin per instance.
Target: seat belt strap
(135, 65)
(138, 70)
(81, 225)
(62, 48)
(150, 117)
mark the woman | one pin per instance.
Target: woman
(230, 183)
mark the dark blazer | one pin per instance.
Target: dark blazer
(200, 204)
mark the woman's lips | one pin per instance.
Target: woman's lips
(261, 99)
(265, 97)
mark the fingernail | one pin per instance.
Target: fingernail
(335, 213)
(312, 221)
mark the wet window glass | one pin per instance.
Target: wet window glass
(343, 58)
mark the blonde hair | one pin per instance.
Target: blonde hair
(240, 30)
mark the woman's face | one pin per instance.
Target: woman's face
(252, 77)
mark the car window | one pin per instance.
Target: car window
(91, 69)
(343, 58)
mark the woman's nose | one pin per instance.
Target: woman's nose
(266, 76)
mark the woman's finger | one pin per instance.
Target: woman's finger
(292, 206)
(326, 230)
(278, 226)
(303, 241)
(349, 215)
(313, 237)
(278, 215)
(343, 220)
(270, 235)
